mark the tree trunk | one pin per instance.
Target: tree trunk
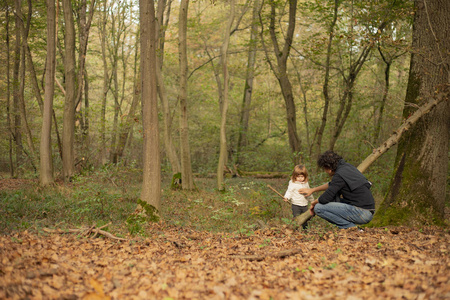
(280, 72)
(130, 118)
(326, 95)
(187, 180)
(305, 103)
(355, 66)
(168, 140)
(16, 99)
(46, 161)
(127, 128)
(397, 134)
(8, 96)
(37, 92)
(23, 114)
(417, 192)
(248, 88)
(346, 100)
(84, 25)
(70, 97)
(104, 18)
(387, 73)
(151, 185)
(118, 34)
(83, 35)
(388, 59)
(223, 154)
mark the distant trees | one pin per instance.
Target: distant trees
(283, 80)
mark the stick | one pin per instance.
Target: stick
(301, 219)
(275, 191)
(281, 254)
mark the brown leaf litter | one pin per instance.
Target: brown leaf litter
(277, 263)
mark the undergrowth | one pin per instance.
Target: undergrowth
(111, 195)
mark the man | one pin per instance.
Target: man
(347, 200)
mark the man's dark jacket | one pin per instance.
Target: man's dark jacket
(348, 185)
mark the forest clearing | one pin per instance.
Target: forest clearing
(160, 149)
(264, 257)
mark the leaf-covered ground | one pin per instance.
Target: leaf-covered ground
(276, 263)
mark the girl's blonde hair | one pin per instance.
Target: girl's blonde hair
(299, 170)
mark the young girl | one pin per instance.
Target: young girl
(299, 179)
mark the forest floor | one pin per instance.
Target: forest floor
(173, 262)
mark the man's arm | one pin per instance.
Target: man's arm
(330, 194)
(308, 191)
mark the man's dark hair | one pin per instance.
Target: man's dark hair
(329, 160)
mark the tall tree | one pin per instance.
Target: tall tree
(151, 185)
(325, 87)
(418, 188)
(249, 76)
(223, 154)
(280, 69)
(8, 93)
(19, 151)
(130, 119)
(119, 32)
(46, 161)
(37, 93)
(68, 136)
(24, 30)
(187, 178)
(106, 81)
(162, 24)
(84, 24)
(388, 58)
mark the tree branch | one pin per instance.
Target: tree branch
(396, 135)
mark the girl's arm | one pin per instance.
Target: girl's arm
(308, 191)
(288, 193)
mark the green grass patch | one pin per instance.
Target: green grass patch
(111, 195)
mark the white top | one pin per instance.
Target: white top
(293, 194)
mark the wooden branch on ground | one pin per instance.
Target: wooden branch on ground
(303, 218)
(281, 254)
(87, 232)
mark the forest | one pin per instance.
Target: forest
(146, 129)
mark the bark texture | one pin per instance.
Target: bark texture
(223, 120)
(68, 136)
(418, 189)
(46, 162)
(187, 178)
(151, 185)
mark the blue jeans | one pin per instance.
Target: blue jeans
(343, 215)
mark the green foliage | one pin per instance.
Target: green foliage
(88, 201)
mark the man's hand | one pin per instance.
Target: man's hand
(311, 208)
(305, 191)
(286, 199)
